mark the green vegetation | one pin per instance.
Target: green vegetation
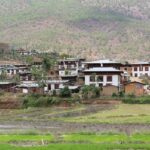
(88, 141)
(79, 147)
(78, 26)
(24, 137)
(108, 138)
(65, 92)
(121, 114)
(137, 100)
(89, 92)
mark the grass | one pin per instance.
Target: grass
(24, 137)
(122, 114)
(79, 147)
(110, 138)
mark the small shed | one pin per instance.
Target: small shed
(109, 90)
(136, 88)
(29, 88)
(7, 86)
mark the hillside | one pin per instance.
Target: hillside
(93, 28)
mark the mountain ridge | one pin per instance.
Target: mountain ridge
(88, 28)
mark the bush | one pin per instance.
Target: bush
(121, 94)
(90, 92)
(65, 92)
(137, 100)
(36, 101)
(114, 95)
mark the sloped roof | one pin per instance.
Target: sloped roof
(102, 69)
(105, 61)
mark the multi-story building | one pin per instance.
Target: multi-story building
(140, 69)
(102, 76)
(69, 69)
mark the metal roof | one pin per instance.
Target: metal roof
(105, 61)
(57, 81)
(102, 69)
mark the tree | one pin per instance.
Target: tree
(16, 79)
(3, 75)
(47, 63)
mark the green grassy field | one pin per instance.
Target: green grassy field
(18, 137)
(82, 141)
(79, 147)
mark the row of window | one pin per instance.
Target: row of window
(100, 78)
(136, 75)
(141, 69)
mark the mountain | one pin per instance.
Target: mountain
(118, 29)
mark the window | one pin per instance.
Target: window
(92, 78)
(125, 69)
(135, 68)
(109, 78)
(146, 69)
(141, 68)
(100, 78)
(56, 86)
(136, 75)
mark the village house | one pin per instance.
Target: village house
(52, 85)
(102, 76)
(7, 86)
(69, 69)
(137, 69)
(140, 69)
(29, 87)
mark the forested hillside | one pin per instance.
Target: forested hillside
(93, 28)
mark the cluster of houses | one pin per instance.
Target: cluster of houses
(110, 76)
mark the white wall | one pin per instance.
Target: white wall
(115, 80)
(139, 73)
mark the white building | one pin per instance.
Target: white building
(140, 69)
(102, 76)
(69, 69)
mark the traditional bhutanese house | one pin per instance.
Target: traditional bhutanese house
(136, 88)
(29, 87)
(101, 63)
(140, 69)
(52, 85)
(69, 69)
(7, 86)
(9, 70)
(109, 90)
(12, 68)
(102, 76)
(26, 76)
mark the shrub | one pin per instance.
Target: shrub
(65, 92)
(137, 100)
(114, 95)
(90, 91)
(121, 94)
